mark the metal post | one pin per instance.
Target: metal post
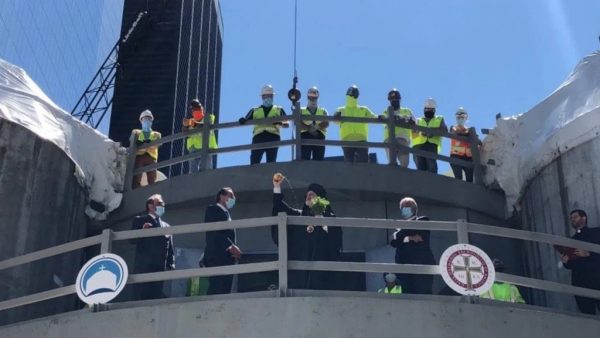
(462, 231)
(297, 115)
(106, 243)
(477, 167)
(392, 144)
(128, 181)
(205, 138)
(283, 254)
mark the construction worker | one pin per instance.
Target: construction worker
(194, 142)
(354, 131)
(402, 135)
(390, 284)
(265, 132)
(504, 292)
(460, 149)
(148, 156)
(428, 142)
(313, 130)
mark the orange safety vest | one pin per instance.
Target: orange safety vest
(460, 148)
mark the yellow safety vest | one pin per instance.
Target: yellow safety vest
(395, 289)
(194, 142)
(400, 132)
(140, 136)
(434, 123)
(355, 131)
(259, 113)
(460, 148)
(320, 111)
(504, 292)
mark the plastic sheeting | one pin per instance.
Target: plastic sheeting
(521, 146)
(100, 162)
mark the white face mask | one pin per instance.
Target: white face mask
(406, 212)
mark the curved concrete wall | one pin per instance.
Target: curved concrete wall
(311, 317)
(571, 181)
(42, 206)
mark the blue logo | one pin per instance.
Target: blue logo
(101, 279)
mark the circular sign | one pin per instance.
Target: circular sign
(467, 269)
(101, 279)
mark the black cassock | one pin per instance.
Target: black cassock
(316, 246)
(585, 271)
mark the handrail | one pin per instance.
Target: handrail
(282, 264)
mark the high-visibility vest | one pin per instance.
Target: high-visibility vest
(399, 131)
(460, 148)
(259, 113)
(140, 137)
(194, 142)
(434, 123)
(355, 131)
(504, 292)
(320, 112)
(395, 289)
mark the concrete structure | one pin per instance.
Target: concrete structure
(42, 206)
(571, 181)
(371, 315)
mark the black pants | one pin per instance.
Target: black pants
(219, 285)
(458, 169)
(256, 155)
(416, 284)
(313, 152)
(424, 163)
(356, 155)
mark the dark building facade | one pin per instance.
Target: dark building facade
(173, 56)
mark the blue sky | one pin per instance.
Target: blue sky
(490, 57)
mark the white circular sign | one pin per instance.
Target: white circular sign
(467, 269)
(101, 279)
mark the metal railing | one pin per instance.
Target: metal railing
(282, 264)
(297, 142)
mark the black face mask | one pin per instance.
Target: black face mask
(429, 114)
(395, 104)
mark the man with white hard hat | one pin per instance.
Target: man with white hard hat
(425, 141)
(147, 156)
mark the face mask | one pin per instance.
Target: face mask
(429, 114)
(395, 104)
(312, 103)
(461, 122)
(198, 114)
(406, 212)
(267, 101)
(351, 101)
(146, 125)
(160, 210)
(230, 203)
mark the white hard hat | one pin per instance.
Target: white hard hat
(430, 103)
(389, 277)
(461, 111)
(146, 113)
(313, 92)
(267, 90)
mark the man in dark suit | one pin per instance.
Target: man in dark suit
(584, 265)
(220, 245)
(153, 254)
(412, 247)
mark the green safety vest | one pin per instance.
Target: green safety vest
(194, 142)
(435, 122)
(140, 136)
(395, 289)
(355, 131)
(320, 112)
(400, 132)
(259, 113)
(504, 292)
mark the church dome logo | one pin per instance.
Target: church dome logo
(101, 279)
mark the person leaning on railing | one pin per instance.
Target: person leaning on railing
(354, 131)
(148, 156)
(460, 149)
(427, 142)
(313, 130)
(265, 132)
(194, 142)
(402, 135)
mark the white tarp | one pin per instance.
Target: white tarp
(522, 145)
(99, 161)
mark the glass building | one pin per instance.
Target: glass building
(173, 57)
(60, 43)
